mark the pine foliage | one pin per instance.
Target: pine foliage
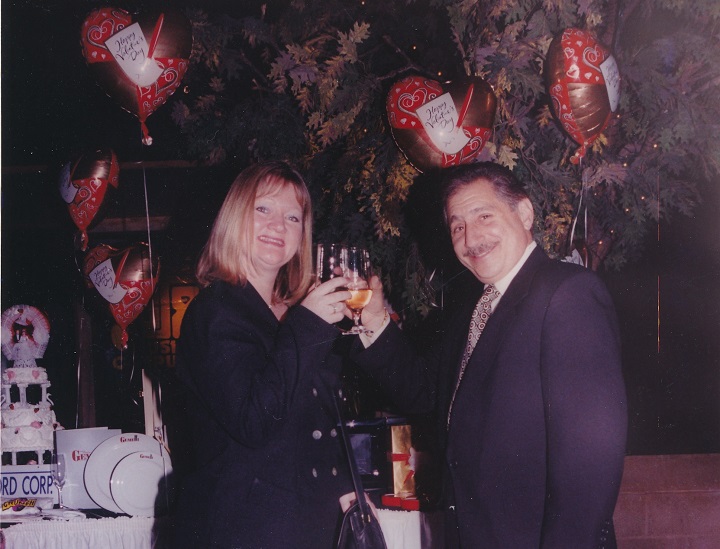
(306, 81)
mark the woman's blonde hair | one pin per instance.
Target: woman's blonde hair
(227, 253)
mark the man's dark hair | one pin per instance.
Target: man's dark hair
(506, 185)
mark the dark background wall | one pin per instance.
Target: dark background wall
(668, 299)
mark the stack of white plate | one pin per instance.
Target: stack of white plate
(128, 474)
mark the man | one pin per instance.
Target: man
(535, 420)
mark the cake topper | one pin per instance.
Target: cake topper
(25, 335)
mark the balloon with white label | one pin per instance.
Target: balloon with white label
(437, 125)
(125, 279)
(83, 186)
(583, 81)
(138, 59)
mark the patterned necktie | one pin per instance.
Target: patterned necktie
(480, 316)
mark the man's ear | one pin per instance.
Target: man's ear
(526, 213)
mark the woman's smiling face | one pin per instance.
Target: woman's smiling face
(277, 230)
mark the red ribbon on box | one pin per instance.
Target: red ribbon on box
(410, 503)
(406, 459)
(391, 500)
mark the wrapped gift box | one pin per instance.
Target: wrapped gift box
(396, 459)
(402, 458)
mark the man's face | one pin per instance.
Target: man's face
(488, 236)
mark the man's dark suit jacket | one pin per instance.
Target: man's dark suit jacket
(535, 447)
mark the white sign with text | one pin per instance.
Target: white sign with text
(439, 117)
(130, 49)
(103, 278)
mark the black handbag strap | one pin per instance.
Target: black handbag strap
(354, 472)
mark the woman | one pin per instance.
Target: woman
(259, 373)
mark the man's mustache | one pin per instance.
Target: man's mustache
(478, 250)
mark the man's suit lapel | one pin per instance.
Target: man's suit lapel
(496, 330)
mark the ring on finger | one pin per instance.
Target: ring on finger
(334, 307)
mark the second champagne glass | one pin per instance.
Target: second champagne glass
(328, 262)
(356, 268)
(58, 473)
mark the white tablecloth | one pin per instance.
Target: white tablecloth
(402, 530)
(411, 529)
(104, 533)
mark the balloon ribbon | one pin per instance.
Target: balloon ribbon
(465, 105)
(156, 35)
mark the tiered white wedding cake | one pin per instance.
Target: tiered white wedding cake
(28, 419)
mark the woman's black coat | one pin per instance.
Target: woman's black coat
(268, 464)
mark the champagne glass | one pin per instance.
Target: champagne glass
(58, 474)
(356, 268)
(328, 262)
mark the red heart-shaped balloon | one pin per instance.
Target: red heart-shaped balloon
(83, 185)
(439, 125)
(583, 82)
(126, 279)
(138, 60)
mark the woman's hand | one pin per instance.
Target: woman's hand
(326, 301)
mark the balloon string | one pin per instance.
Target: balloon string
(577, 215)
(122, 369)
(583, 191)
(150, 253)
(152, 277)
(585, 218)
(587, 248)
(79, 361)
(132, 376)
(127, 384)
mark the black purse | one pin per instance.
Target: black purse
(360, 529)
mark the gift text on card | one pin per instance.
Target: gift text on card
(103, 278)
(130, 49)
(439, 117)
